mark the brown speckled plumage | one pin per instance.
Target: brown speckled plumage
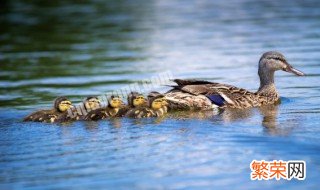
(192, 94)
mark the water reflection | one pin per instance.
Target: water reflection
(91, 125)
(115, 122)
(270, 114)
(231, 115)
(271, 124)
(269, 119)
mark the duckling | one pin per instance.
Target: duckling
(57, 114)
(80, 111)
(162, 109)
(114, 104)
(157, 107)
(135, 100)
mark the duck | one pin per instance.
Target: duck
(57, 114)
(157, 107)
(134, 100)
(114, 105)
(80, 111)
(206, 95)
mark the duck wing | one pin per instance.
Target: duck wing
(219, 94)
(233, 97)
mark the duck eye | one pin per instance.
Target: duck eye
(278, 59)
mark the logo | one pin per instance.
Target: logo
(278, 169)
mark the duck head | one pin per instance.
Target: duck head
(269, 63)
(91, 103)
(115, 102)
(62, 104)
(273, 61)
(136, 99)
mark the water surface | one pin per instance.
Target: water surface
(76, 49)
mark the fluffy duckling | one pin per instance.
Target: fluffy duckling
(57, 114)
(91, 103)
(135, 100)
(79, 112)
(157, 107)
(114, 105)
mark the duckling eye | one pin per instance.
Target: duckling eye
(67, 102)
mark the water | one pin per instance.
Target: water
(82, 48)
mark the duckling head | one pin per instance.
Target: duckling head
(157, 103)
(115, 102)
(156, 100)
(139, 101)
(273, 61)
(62, 104)
(136, 99)
(91, 103)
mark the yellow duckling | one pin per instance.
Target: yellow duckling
(135, 100)
(157, 107)
(79, 112)
(57, 114)
(114, 105)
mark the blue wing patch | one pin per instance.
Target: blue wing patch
(216, 99)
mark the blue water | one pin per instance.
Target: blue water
(77, 49)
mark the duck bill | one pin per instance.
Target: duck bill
(291, 69)
(294, 71)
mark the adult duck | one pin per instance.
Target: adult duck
(204, 95)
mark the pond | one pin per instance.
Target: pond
(82, 48)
